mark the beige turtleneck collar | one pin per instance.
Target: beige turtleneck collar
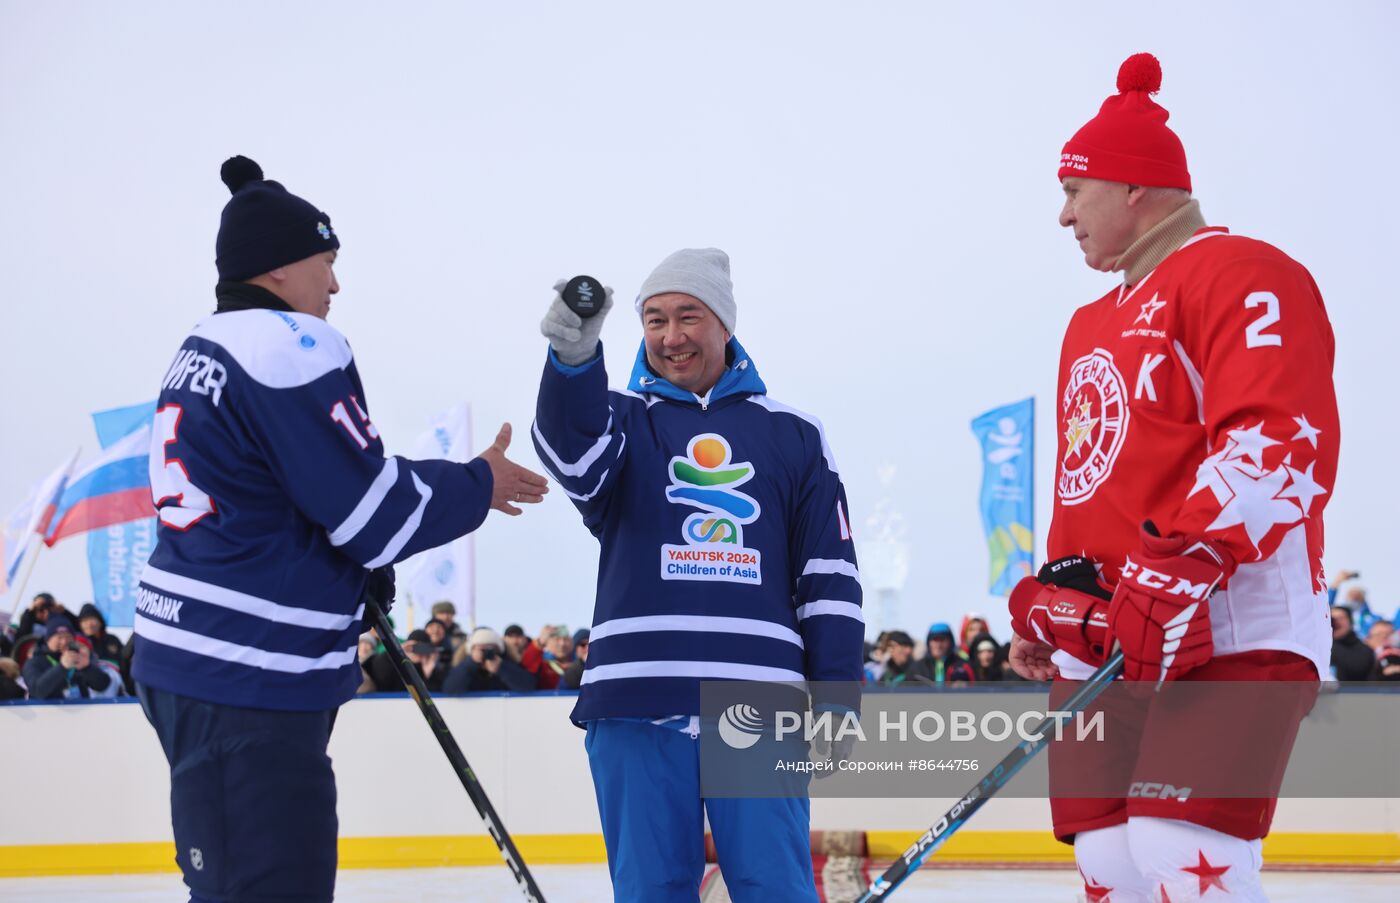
(1160, 241)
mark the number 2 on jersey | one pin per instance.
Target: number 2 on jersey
(170, 481)
(1254, 334)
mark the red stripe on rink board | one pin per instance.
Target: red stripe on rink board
(101, 511)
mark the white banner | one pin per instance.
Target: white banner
(445, 573)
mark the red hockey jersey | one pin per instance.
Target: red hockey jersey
(1202, 399)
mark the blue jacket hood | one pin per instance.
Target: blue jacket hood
(741, 378)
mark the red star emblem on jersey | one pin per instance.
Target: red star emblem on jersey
(1208, 875)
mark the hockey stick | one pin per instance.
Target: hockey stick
(1000, 776)
(419, 692)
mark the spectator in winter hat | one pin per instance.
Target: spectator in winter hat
(1351, 658)
(94, 627)
(972, 625)
(440, 635)
(943, 664)
(421, 653)
(66, 669)
(36, 616)
(986, 658)
(516, 642)
(573, 675)
(446, 612)
(558, 655)
(898, 659)
(485, 667)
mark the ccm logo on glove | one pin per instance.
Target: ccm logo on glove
(1155, 580)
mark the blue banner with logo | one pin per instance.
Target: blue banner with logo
(1008, 497)
(117, 554)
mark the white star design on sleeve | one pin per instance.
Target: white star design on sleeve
(1303, 488)
(1252, 442)
(1208, 475)
(1306, 431)
(1256, 503)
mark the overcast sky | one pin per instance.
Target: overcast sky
(882, 176)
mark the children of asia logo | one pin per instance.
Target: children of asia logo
(708, 478)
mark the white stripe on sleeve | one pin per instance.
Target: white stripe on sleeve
(831, 566)
(602, 479)
(579, 467)
(369, 503)
(830, 607)
(409, 527)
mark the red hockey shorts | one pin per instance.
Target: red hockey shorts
(1152, 747)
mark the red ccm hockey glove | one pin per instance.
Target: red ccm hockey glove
(1160, 615)
(1063, 606)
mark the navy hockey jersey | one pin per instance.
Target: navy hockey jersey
(274, 498)
(725, 552)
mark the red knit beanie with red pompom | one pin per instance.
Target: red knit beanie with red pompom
(1129, 140)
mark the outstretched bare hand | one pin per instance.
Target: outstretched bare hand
(511, 482)
(1031, 660)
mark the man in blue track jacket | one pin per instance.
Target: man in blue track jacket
(726, 554)
(276, 506)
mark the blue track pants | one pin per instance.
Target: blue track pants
(647, 779)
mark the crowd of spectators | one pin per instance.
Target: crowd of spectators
(54, 654)
(450, 660)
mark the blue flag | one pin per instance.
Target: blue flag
(117, 554)
(1007, 435)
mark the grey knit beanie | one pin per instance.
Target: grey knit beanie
(701, 273)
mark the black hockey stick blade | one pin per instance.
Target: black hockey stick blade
(419, 692)
(928, 842)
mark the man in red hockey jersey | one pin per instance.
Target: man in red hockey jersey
(1197, 450)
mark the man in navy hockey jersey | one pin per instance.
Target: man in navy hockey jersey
(276, 507)
(725, 554)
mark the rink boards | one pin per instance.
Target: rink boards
(401, 806)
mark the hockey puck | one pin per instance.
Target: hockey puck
(584, 295)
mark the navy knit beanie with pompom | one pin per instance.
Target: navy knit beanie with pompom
(265, 226)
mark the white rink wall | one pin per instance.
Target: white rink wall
(394, 780)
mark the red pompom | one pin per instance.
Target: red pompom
(1140, 72)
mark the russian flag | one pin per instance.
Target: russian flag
(111, 489)
(32, 516)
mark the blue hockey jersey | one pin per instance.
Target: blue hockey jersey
(274, 498)
(726, 552)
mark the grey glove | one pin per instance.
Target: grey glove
(832, 751)
(574, 339)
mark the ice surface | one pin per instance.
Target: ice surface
(589, 884)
